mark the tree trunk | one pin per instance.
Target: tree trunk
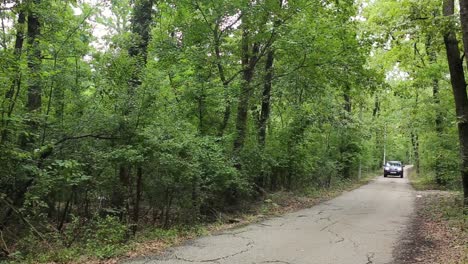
(347, 99)
(266, 96)
(63, 217)
(136, 206)
(449, 10)
(201, 98)
(457, 78)
(249, 60)
(415, 144)
(33, 103)
(222, 76)
(376, 110)
(12, 93)
(34, 64)
(167, 213)
(432, 54)
(267, 85)
(121, 195)
(346, 138)
(195, 200)
(141, 28)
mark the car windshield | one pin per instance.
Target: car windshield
(393, 164)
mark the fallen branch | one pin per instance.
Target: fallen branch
(5, 247)
(15, 210)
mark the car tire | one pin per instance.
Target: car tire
(385, 175)
(401, 175)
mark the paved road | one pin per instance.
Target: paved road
(359, 227)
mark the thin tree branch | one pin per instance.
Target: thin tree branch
(104, 137)
(228, 81)
(5, 247)
(197, 6)
(232, 24)
(20, 215)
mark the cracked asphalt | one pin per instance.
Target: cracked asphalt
(362, 226)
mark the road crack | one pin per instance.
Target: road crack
(249, 246)
(276, 261)
(236, 233)
(329, 225)
(370, 258)
(340, 238)
(355, 244)
(323, 218)
(216, 260)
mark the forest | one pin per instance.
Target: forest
(129, 114)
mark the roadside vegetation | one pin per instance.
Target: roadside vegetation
(439, 231)
(142, 120)
(426, 180)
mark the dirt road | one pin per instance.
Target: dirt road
(359, 227)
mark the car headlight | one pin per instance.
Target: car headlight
(387, 168)
(399, 169)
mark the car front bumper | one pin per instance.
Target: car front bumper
(392, 172)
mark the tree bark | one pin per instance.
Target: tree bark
(266, 96)
(12, 93)
(347, 100)
(432, 54)
(346, 138)
(222, 76)
(463, 20)
(136, 206)
(415, 144)
(376, 110)
(63, 217)
(33, 103)
(457, 78)
(141, 26)
(34, 63)
(249, 60)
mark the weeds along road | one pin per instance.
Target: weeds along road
(359, 227)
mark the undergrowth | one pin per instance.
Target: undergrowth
(425, 180)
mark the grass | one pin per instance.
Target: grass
(108, 241)
(425, 180)
(422, 182)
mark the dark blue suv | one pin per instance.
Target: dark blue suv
(393, 168)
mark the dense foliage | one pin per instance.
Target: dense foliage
(168, 112)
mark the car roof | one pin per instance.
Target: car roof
(394, 161)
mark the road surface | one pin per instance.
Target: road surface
(359, 227)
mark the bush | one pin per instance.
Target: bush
(107, 237)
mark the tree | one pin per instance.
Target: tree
(459, 86)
